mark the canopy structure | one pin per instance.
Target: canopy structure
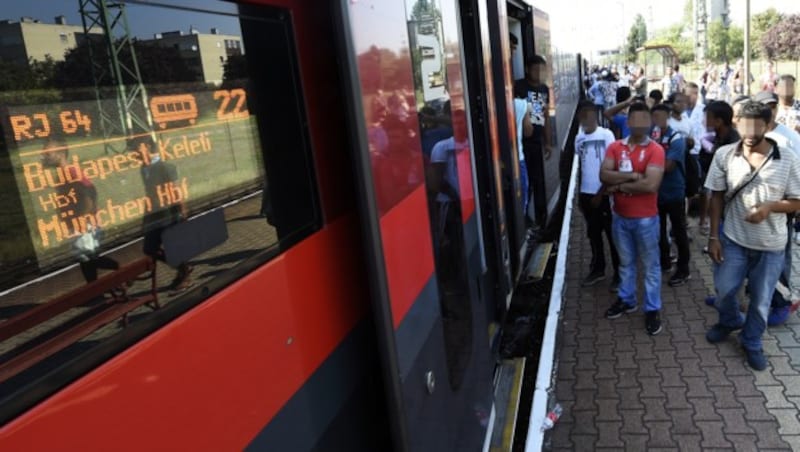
(656, 66)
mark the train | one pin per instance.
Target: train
(316, 251)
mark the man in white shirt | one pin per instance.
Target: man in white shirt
(695, 111)
(789, 108)
(784, 136)
(522, 114)
(679, 121)
(590, 147)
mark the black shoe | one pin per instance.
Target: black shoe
(679, 278)
(593, 278)
(614, 286)
(652, 322)
(618, 308)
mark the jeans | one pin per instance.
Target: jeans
(762, 270)
(778, 301)
(676, 211)
(598, 221)
(523, 180)
(637, 238)
(534, 163)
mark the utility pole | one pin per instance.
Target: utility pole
(700, 30)
(747, 48)
(114, 66)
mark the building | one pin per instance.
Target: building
(29, 39)
(205, 53)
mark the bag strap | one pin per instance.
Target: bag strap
(732, 194)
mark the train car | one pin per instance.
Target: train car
(322, 261)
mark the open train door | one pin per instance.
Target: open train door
(409, 122)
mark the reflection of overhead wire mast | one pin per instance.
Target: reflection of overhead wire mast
(114, 66)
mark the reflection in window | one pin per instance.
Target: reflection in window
(124, 201)
(443, 134)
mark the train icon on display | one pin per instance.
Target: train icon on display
(173, 108)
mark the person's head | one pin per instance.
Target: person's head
(639, 120)
(785, 88)
(55, 151)
(623, 94)
(754, 119)
(587, 115)
(769, 99)
(692, 92)
(670, 71)
(770, 67)
(660, 114)
(676, 68)
(534, 68)
(513, 41)
(678, 102)
(143, 144)
(719, 116)
(655, 97)
(736, 105)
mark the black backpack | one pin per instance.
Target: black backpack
(692, 173)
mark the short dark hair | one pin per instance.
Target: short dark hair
(786, 77)
(656, 94)
(692, 85)
(146, 138)
(672, 97)
(623, 94)
(756, 110)
(677, 68)
(638, 107)
(535, 59)
(586, 104)
(721, 110)
(661, 107)
(513, 38)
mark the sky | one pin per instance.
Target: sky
(603, 24)
(143, 22)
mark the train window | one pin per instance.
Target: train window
(138, 185)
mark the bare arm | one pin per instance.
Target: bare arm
(649, 183)
(714, 216)
(611, 112)
(609, 176)
(527, 125)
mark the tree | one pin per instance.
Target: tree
(425, 10)
(736, 43)
(674, 36)
(761, 23)
(718, 41)
(636, 37)
(783, 40)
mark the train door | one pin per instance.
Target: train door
(409, 118)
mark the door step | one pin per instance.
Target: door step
(537, 264)
(508, 390)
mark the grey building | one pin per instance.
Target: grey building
(29, 39)
(205, 53)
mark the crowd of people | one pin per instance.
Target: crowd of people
(646, 156)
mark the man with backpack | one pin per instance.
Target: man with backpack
(672, 197)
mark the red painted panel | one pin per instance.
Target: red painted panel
(217, 375)
(407, 249)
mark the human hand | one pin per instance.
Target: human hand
(715, 250)
(758, 214)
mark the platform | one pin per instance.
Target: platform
(624, 390)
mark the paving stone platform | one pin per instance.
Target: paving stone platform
(624, 390)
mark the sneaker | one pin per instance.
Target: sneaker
(652, 322)
(679, 278)
(756, 359)
(618, 308)
(182, 280)
(710, 300)
(778, 316)
(592, 279)
(614, 286)
(719, 332)
(795, 305)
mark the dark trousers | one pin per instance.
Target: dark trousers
(534, 161)
(676, 211)
(598, 221)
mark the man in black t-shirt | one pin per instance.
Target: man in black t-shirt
(538, 147)
(157, 175)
